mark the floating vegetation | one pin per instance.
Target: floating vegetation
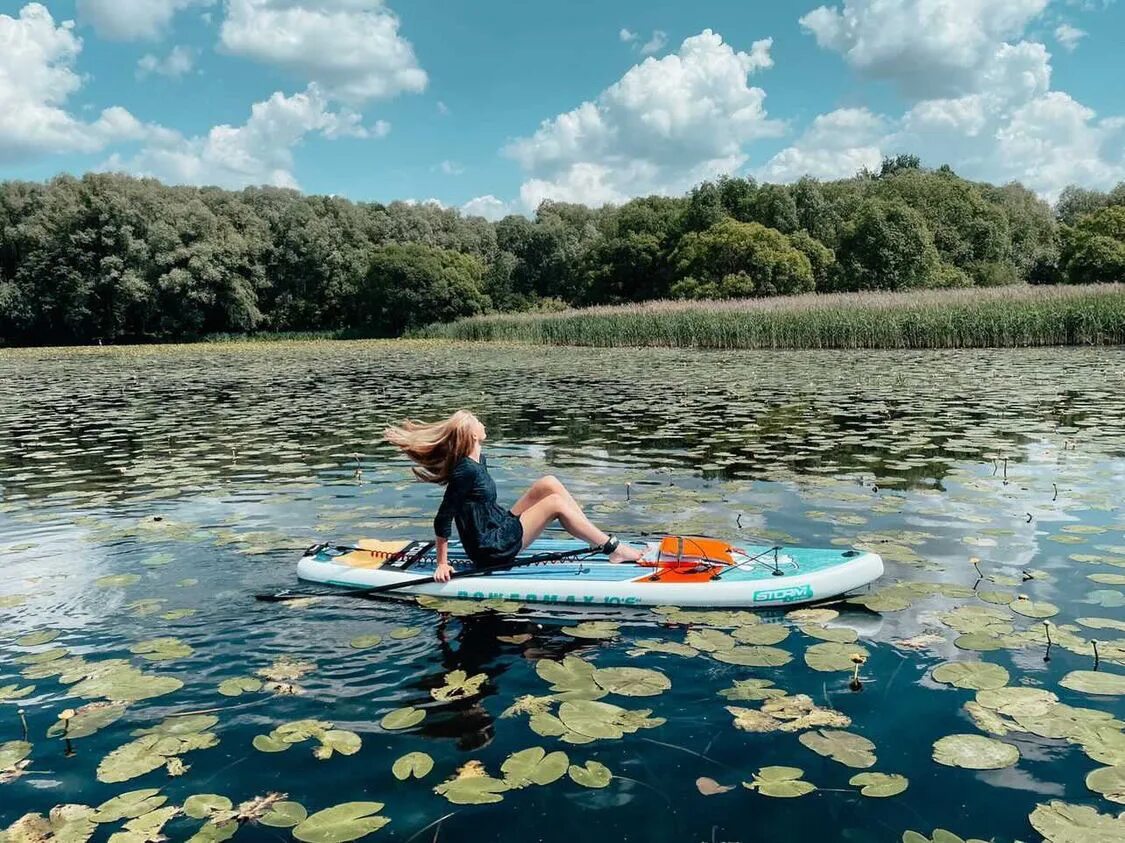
(780, 782)
(592, 774)
(341, 823)
(402, 718)
(974, 675)
(412, 765)
(787, 714)
(849, 749)
(239, 685)
(459, 685)
(974, 752)
(331, 740)
(879, 785)
(1094, 682)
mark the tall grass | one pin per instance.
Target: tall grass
(964, 318)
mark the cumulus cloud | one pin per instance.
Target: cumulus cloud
(450, 168)
(132, 20)
(666, 124)
(488, 206)
(352, 49)
(1069, 36)
(836, 145)
(37, 77)
(656, 43)
(927, 48)
(979, 102)
(258, 152)
(177, 63)
(627, 36)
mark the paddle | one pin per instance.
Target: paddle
(289, 594)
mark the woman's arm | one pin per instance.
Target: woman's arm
(444, 570)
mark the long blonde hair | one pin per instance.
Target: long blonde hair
(435, 447)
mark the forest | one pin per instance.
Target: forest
(111, 258)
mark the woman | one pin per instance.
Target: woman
(448, 453)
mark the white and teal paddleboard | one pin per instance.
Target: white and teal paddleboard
(677, 572)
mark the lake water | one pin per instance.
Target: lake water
(146, 496)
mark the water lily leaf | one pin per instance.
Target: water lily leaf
(980, 642)
(1001, 598)
(780, 782)
(203, 805)
(12, 752)
(593, 774)
(286, 669)
(747, 656)
(414, 764)
(884, 601)
(191, 724)
(547, 725)
(131, 760)
(751, 689)
(710, 640)
(135, 803)
(341, 741)
(973, 675)
(811, 616)
(1108, 597)
(592, 629)
(591, 718)
(341, 823)
(15, 692)
(123, 683)
(1102, 623)
(989, 721)
(364, 642)
(405, 632)
(145, 827)
(43, 657)
(879, 785)
(87, 720)
(459, 685)
(35, 639)
(1017, 702)
(763, 634)
(839, 634)
(215, 832)
(709, 787)
(117, 580)
(1033, 609)
(1060, 822)
(284, 815)
(974, 752)
(653, 645)
(402, 718)
(265, 743)
(1107, 579)
(632, 681)
(178, 614)
(297, 731)
(514, 639)
(473, 790)
(65, 824)
(239, 685)
(572, 678)
(831, 656)
(534, 766)
(849, 749)
(1094, 682)
(1109, 782)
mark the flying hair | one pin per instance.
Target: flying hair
(435, 447)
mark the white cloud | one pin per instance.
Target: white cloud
(981, 104)
(928, 48)
(451, 168)
(177, 63)
(1069, 36)
(132, 20)
(258, 152)
(666, 124)
(487, 206)
(350, 48)
(656, 43)
(37, 78)
(836, 145)
(627, 36)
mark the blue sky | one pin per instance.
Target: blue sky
(495, 105)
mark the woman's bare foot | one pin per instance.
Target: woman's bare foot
(625, 553)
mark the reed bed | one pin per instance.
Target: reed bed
(1017, 316)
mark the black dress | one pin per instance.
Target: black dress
(490, 534)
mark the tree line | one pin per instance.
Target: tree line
(113, 258)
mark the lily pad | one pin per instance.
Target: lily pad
(879, 785)
(534, 766)
(748, 656)
(832, 656)
(751, 689)
(593, 774)
(1098, 683)
(405, 632)
(135, 803)
(87, 720)
(364, 642)
(402, 718)
(338, 740)
(265, 743)
(849, 749)
(35, 639)
(203, 805)
(284, 815)
(12, 752)
(974, 752)
(459, 685)
(1109, 782)
(762, 634)
(780, 782)
(1060, 822)
(145, 827)
(15, 692)
(239, 685)
(839, 634)
(972, 675)
(592, 629)
(632, 681)
(412, 765)
(117, 580)
(472, 790)
(341, 823)
(1033, 609)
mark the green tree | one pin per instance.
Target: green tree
(886, 247)
(762, 260)
(1093, 251)
(413, 284)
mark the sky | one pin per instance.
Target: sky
(492, 106)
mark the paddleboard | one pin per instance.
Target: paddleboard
(676, 571)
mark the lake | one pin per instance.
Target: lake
(147, 494)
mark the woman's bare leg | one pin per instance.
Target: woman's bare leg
(549, 485)
(539, 515)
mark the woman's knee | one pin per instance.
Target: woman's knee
(551, 483)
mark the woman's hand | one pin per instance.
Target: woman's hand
(444, 572)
